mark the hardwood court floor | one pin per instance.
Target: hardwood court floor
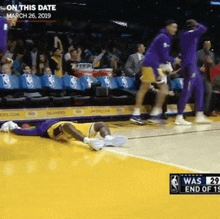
(44, 179)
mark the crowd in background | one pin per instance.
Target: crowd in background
(34, 54)
(39, 51)
(53, 52)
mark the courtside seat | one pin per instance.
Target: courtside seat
(127, 87)
(176, 84)
(73, 87)
(127, 84)
(53, 86)
(12, 97)
(31, 85)
(51, 82)
(116, 97)
(89, 85)
(99, 94)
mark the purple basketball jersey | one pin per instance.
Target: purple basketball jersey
(4, 26)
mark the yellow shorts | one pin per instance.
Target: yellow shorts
(86, 129)
(148, 75)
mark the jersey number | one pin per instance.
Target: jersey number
(5, 27)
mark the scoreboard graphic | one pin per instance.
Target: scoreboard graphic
(183, 184)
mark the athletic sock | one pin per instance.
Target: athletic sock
(156, 111)
(200, 113)
(86, 140)
(137, 112)
(108, 137)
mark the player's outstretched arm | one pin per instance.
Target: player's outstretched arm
(26, 132)
(13, 127)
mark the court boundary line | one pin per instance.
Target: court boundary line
(173, 134)
(156, 161)
(162, 162)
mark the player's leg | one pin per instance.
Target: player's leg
(70, 129)
(109, 140)
(188, 87)
(157, 109)
(136, 116)
(199, 96)
(102, 128)
(160, 98)
(156, 113)
(72, 132)
(146, 79)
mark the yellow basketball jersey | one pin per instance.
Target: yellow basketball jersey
(86, 129)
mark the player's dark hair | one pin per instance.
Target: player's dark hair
(191, 24)
(170, 21)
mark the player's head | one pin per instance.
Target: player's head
(171, 27)
(141, 48)
(63, 133)
(207, 45)
(191, 24)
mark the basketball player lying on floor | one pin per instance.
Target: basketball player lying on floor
(64, 131)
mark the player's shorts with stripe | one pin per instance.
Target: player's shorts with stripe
(149, 74)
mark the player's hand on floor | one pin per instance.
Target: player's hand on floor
(14, 125)
(9, 126)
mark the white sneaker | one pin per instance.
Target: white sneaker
(5, 127)
(13, 125)
(181, 121)
(202, 119)
(115, 141)
(96, 144)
